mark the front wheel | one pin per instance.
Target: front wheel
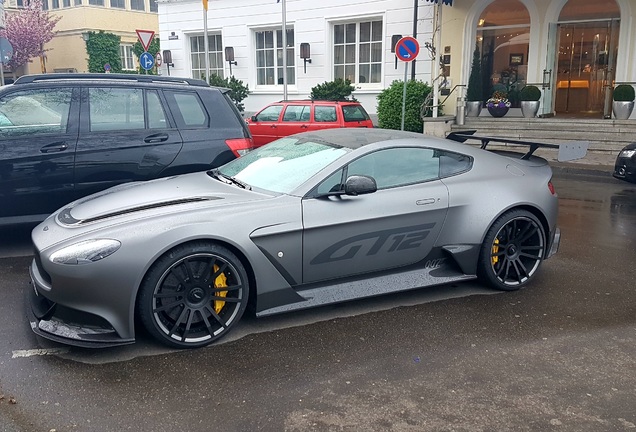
(193, 295)
(512, 251)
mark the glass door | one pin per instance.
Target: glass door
(586, 55)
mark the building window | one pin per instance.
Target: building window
(269, 57)
(119, 4)
(126, 56)
(137, 5)
(96, 2)
(66, 3)
(55, 4)
(197, 55)
(357, 51)
(154, 7)
(45, 4)
(78, 2)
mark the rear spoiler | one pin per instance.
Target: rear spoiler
(567, 151)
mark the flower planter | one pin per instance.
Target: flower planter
(473, 108)
(498, 111)
(622, 110)
(529, 109)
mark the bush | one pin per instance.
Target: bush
(103, 48)
(624, 93)
(238, 90)
(530, 93)
(475, 91)
(390, 105)
(336, 90)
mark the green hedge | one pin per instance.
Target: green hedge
(390, 105)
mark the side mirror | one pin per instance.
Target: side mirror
(360, 185)
(253, 118)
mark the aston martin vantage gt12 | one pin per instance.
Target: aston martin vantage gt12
(307, 220)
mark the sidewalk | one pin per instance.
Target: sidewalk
(593, 164)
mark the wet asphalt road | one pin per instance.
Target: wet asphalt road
(559, 355)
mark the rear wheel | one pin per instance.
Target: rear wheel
(512, 251)
(193, 295)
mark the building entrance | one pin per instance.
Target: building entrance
(586, 59)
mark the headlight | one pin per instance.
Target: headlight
(86, 252)
(628, 153)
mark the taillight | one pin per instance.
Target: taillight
(240, 146)
(551, 187)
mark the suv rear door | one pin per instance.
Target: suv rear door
(125, 135)
(296, 119)
(38, 136)
(354, 115)
(264, 125)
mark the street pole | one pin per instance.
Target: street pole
(437, 28)
(284, 42)
(406, 68)
(206, 44)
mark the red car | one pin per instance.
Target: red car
(285, 118)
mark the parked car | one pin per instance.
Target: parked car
(310, 219)
(64, 136)
(625, 166)
(286, 118)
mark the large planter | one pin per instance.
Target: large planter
(529, 109)
(473, 108)
(497, 111)
(622, 110)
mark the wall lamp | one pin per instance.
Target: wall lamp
(305, 53)
(229, 57)
(394, 40)
(167, 59)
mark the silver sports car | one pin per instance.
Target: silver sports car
(307, 220)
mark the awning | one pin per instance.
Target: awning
(446, 2)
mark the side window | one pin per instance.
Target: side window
(333, 183)
(156, 115)
(191, 109)
(453, 163)
(398, 166)
(296, 113)
(271, 113)
(325, 114)
(354, 113)
(114, 109)
(41, 111)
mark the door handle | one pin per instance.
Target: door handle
(425, 201)
(54, 147)
(273, 126)
(156, 138)
(304, 126)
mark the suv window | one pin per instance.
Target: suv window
(156, 115)
(271, 113)
(113, 109)
(191, 109)
(354, 113)
(297, 113)
(325, 113)
(39, 111)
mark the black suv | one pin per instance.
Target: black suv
(64, 136)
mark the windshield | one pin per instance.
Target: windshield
(283, 165)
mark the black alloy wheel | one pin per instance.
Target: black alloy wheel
(512, 251)
(193, 295)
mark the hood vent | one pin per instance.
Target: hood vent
(66, 218)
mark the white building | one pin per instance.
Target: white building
(575, 51)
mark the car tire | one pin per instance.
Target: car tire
(512, 251)
(193, 295)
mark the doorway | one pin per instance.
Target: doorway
(586, 59)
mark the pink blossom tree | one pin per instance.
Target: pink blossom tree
(28, 30)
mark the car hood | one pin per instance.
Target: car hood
(128, 199)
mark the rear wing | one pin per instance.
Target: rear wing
(567, 151)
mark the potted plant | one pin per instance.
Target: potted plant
(530, 96)
(623, 101)
(498, 104)
(474, 93)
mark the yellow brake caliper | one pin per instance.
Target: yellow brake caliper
(495, 249)
(219, 282)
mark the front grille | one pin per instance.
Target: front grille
(38, 263)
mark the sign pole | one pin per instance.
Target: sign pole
(206, 45)
(406, 68)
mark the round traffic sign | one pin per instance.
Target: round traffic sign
(158, 59)
(146, 60)
(6, 50)
(407, 48)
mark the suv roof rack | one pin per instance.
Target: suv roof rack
(24, 79)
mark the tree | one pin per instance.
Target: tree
(337, 90)
(238, 90)
(475, 90)
(27, 31)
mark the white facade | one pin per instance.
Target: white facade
(246, 25)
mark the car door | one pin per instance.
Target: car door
(296, 119)
(38, 136)
(325, 117)
(264, 125)
(125, 135)
(393, 227)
